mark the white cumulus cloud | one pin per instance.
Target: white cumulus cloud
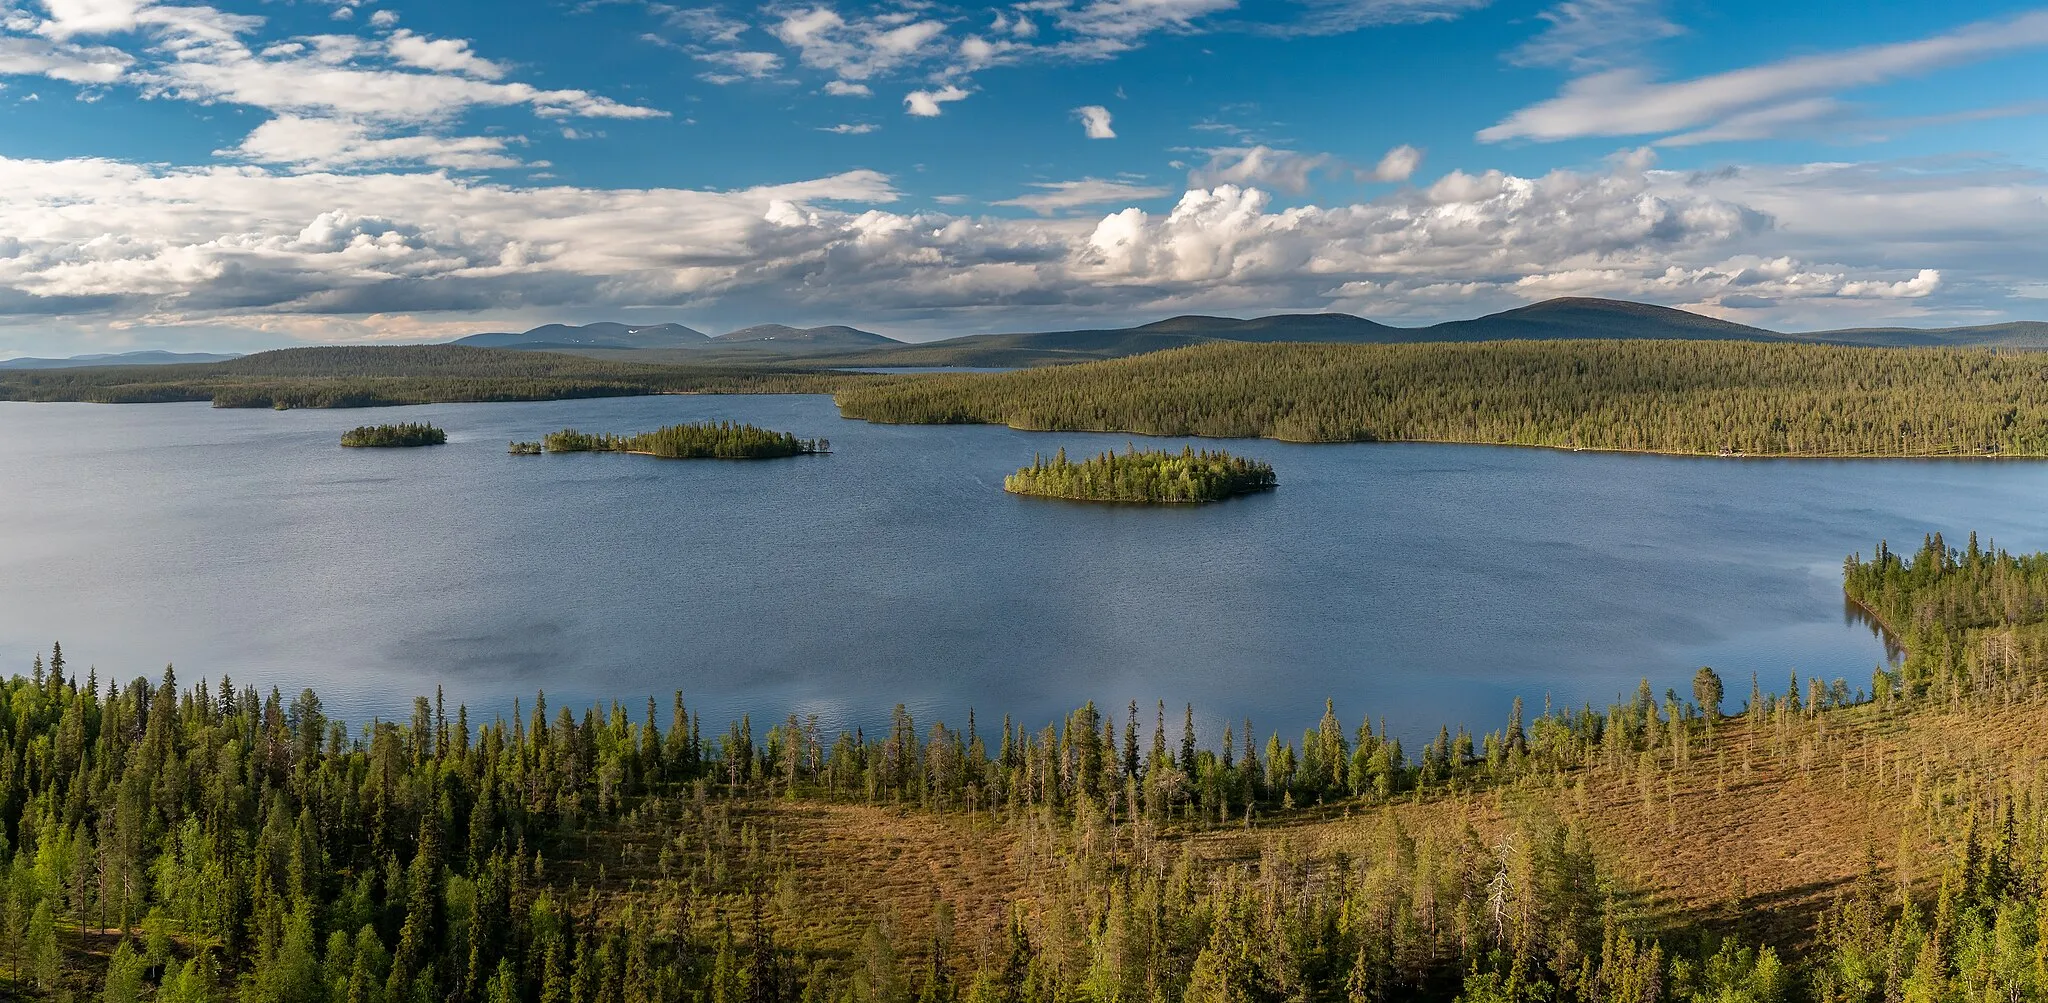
(103, 242)
(1095, 121)
(1262, 166)
(925, 104)
(442, 55)
(1399, 164)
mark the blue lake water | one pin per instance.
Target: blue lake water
(1419, 583)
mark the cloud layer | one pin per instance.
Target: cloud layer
(338, 100)
(118, 244)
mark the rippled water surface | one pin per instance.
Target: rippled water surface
(1419, 583)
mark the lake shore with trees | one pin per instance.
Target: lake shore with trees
(212, 842)
(1716, 398)
(1681, 398)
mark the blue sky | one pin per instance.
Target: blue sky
(245, 173)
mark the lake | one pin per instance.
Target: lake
(1418, 583)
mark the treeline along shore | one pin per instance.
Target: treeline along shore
(1651, 396)
(361, 376)
(1684, 397)
(212, 842)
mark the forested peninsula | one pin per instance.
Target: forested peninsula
(1706, 398)
(376, 376)
(721, 440)
(1826, 842)
(1153, 477)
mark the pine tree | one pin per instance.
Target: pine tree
(40, 950)
(124, 980)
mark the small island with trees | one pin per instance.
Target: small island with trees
(1154, 477)
(525, 449)
(405, 434)
(723, 440)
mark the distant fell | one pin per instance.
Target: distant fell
(2016, 334)
(599, 335)
(1335, 327)
(1570, 317)
(832, 336)
(147, 358)
(1591, 317)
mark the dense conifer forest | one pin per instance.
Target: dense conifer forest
(722, 440)
(402, 434)
(1664, 396)
(1151, 477)
(211, 842)
(358, 376)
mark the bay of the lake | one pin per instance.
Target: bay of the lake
(1419, 583)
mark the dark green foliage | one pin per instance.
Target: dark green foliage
(723, 440)
(406, 434)
(269, 853)
(526, 449)
(359, 376)
(1664, 396)
(1707, 691)
(1964, 616)
(1154, 476)
(196, 845)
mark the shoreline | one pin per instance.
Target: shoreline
(1890, 634)
(1685, 454)
(1676, 453)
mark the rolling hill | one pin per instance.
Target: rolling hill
(836, 336)
(1588, 317)
(2017, 334)
(1575, 317)
(145, 358)
(1550, 320)
(559, 337)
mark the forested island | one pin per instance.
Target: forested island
(402, 434)
(1152, 477)
(721, 440)
(212, 842)
(1705, 398)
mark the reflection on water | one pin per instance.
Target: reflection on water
(1854, 614)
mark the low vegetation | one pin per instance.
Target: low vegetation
(214, 843)
(723, 440)
(1663, 396)
(404, 434)
(526, 449)
(1154, 477)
